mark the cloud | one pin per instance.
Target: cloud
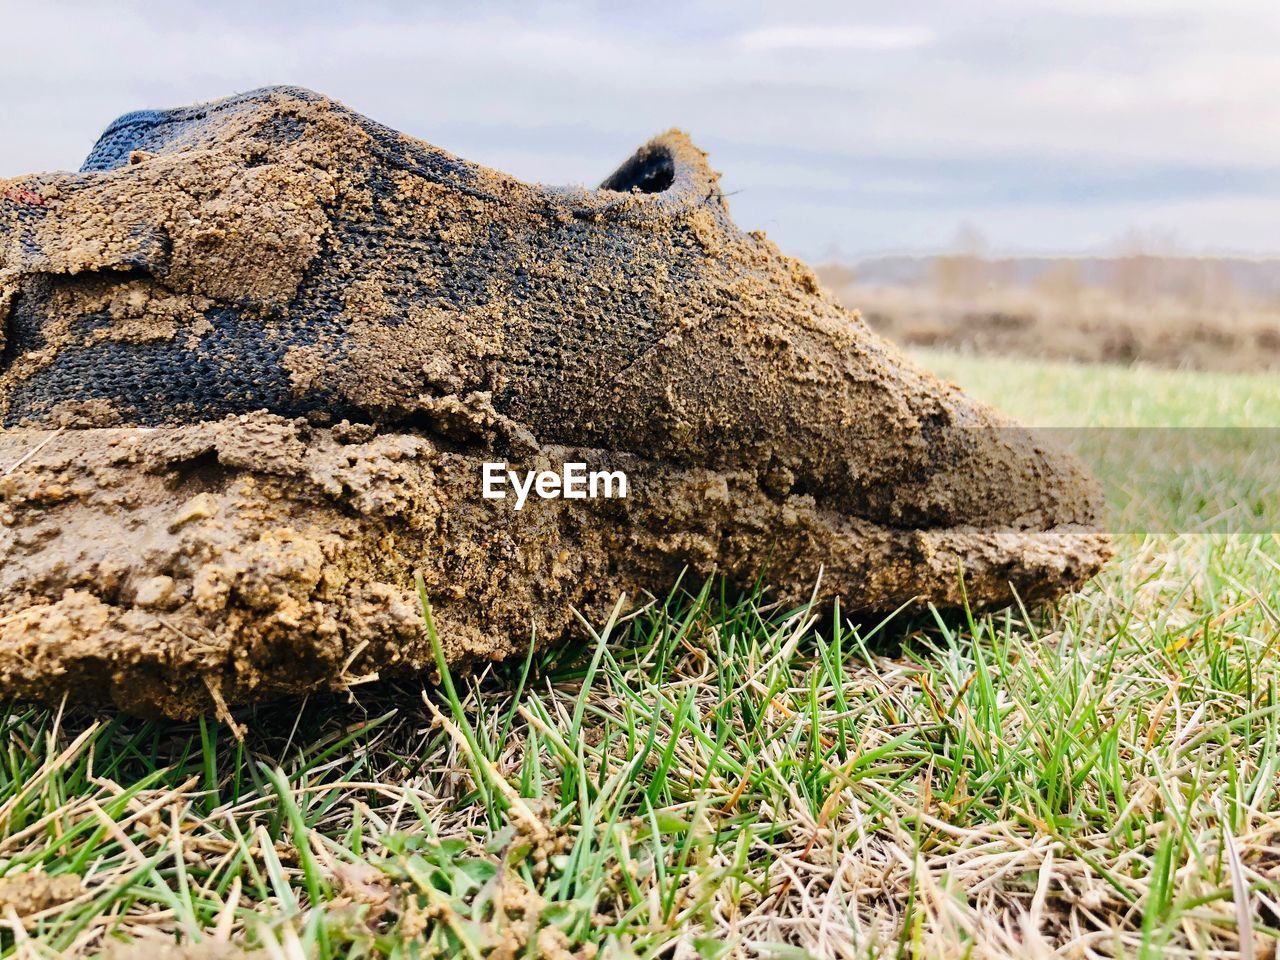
(842, 122)
(866, 37)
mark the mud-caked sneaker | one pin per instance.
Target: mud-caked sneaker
(263, 359)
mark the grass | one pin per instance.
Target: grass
(718, 777)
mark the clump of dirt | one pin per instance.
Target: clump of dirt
(28, 893)
(169, 570)
(331, 327)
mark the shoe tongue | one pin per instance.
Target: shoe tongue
(165, 131)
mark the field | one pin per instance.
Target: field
(717, 777)
(1176, 313)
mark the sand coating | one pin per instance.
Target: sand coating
(255, 358)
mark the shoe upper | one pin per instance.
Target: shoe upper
(277, 251)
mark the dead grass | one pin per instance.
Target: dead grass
(1087, 326)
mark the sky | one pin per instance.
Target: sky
(844, 128)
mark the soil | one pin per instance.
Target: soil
(254, 359)
(28, 893)
(166, 570)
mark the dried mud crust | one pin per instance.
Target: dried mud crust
(276, 251)
(169, 570)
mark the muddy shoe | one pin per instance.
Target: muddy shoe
(263, 359)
